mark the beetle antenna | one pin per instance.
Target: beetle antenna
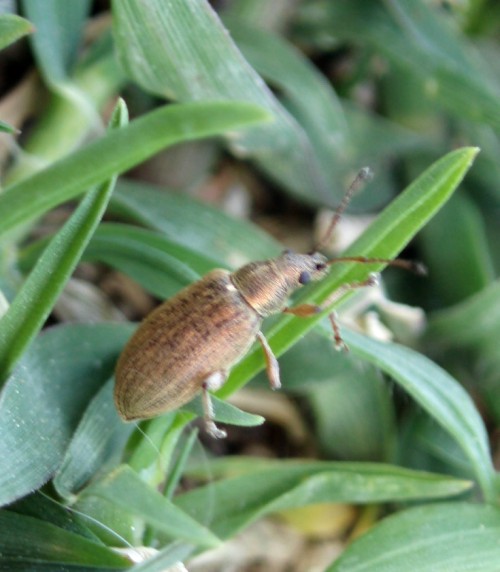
(364, 174)
(411, 265)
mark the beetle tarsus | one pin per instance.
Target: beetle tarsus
(212, 429)
(213, 381)
(340, 345)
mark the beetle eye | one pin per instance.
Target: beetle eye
(304, 277)
(320, 266)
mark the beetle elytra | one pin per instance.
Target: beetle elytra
(190, 342)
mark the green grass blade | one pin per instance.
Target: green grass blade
(118, 151)
(225, 413)
(473, 322)
(439, 394)
(42, 402)
(351, 406)
(271, 486)
(55, 44)
(417, 38)
(343, 136)
(126, 489)
(27, 542)
(34, 302)
(190, 239)
(180, 50)
(12, 28)
(457, 537)
(42, 507)
(159, 265)
(386, 237)
(99, 437)
(192, 224)
(7, 128)
(58, 27)
(457, 272)
(303, 90)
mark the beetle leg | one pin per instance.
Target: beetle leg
(337, 336)
(213, 381)
(305, 310)
(272, 366)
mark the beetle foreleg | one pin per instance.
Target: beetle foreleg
(213, 381)
(272, 366)
(305, 310)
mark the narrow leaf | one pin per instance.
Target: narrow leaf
(34, 302)
(58, 25)
(7, 128)
(269, 486)
(30, 541)
(43, 400)
(386, 237)
(124, 488)
(343, 136)
(113, 153)
(457, 273)
(193, 224)
(12, 28)
(99, 438)
(181, 50)
(456, 537)
(474, 321)
(303, 90)
(225, 413)
(161, 266)
(439, 394)
(417, 38)
(40, 506)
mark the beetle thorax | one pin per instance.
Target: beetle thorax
(267, 285)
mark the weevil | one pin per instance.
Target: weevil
(190, 342)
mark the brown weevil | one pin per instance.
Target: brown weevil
(190, 342)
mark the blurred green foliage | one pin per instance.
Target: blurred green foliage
(300, 95)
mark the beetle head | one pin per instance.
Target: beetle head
(266, 285)
(301, 269)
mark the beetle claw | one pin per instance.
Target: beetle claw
(212, 429)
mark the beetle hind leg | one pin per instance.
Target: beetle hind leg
(272, 366)
(212, 382)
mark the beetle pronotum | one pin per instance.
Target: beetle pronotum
(190, 342)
